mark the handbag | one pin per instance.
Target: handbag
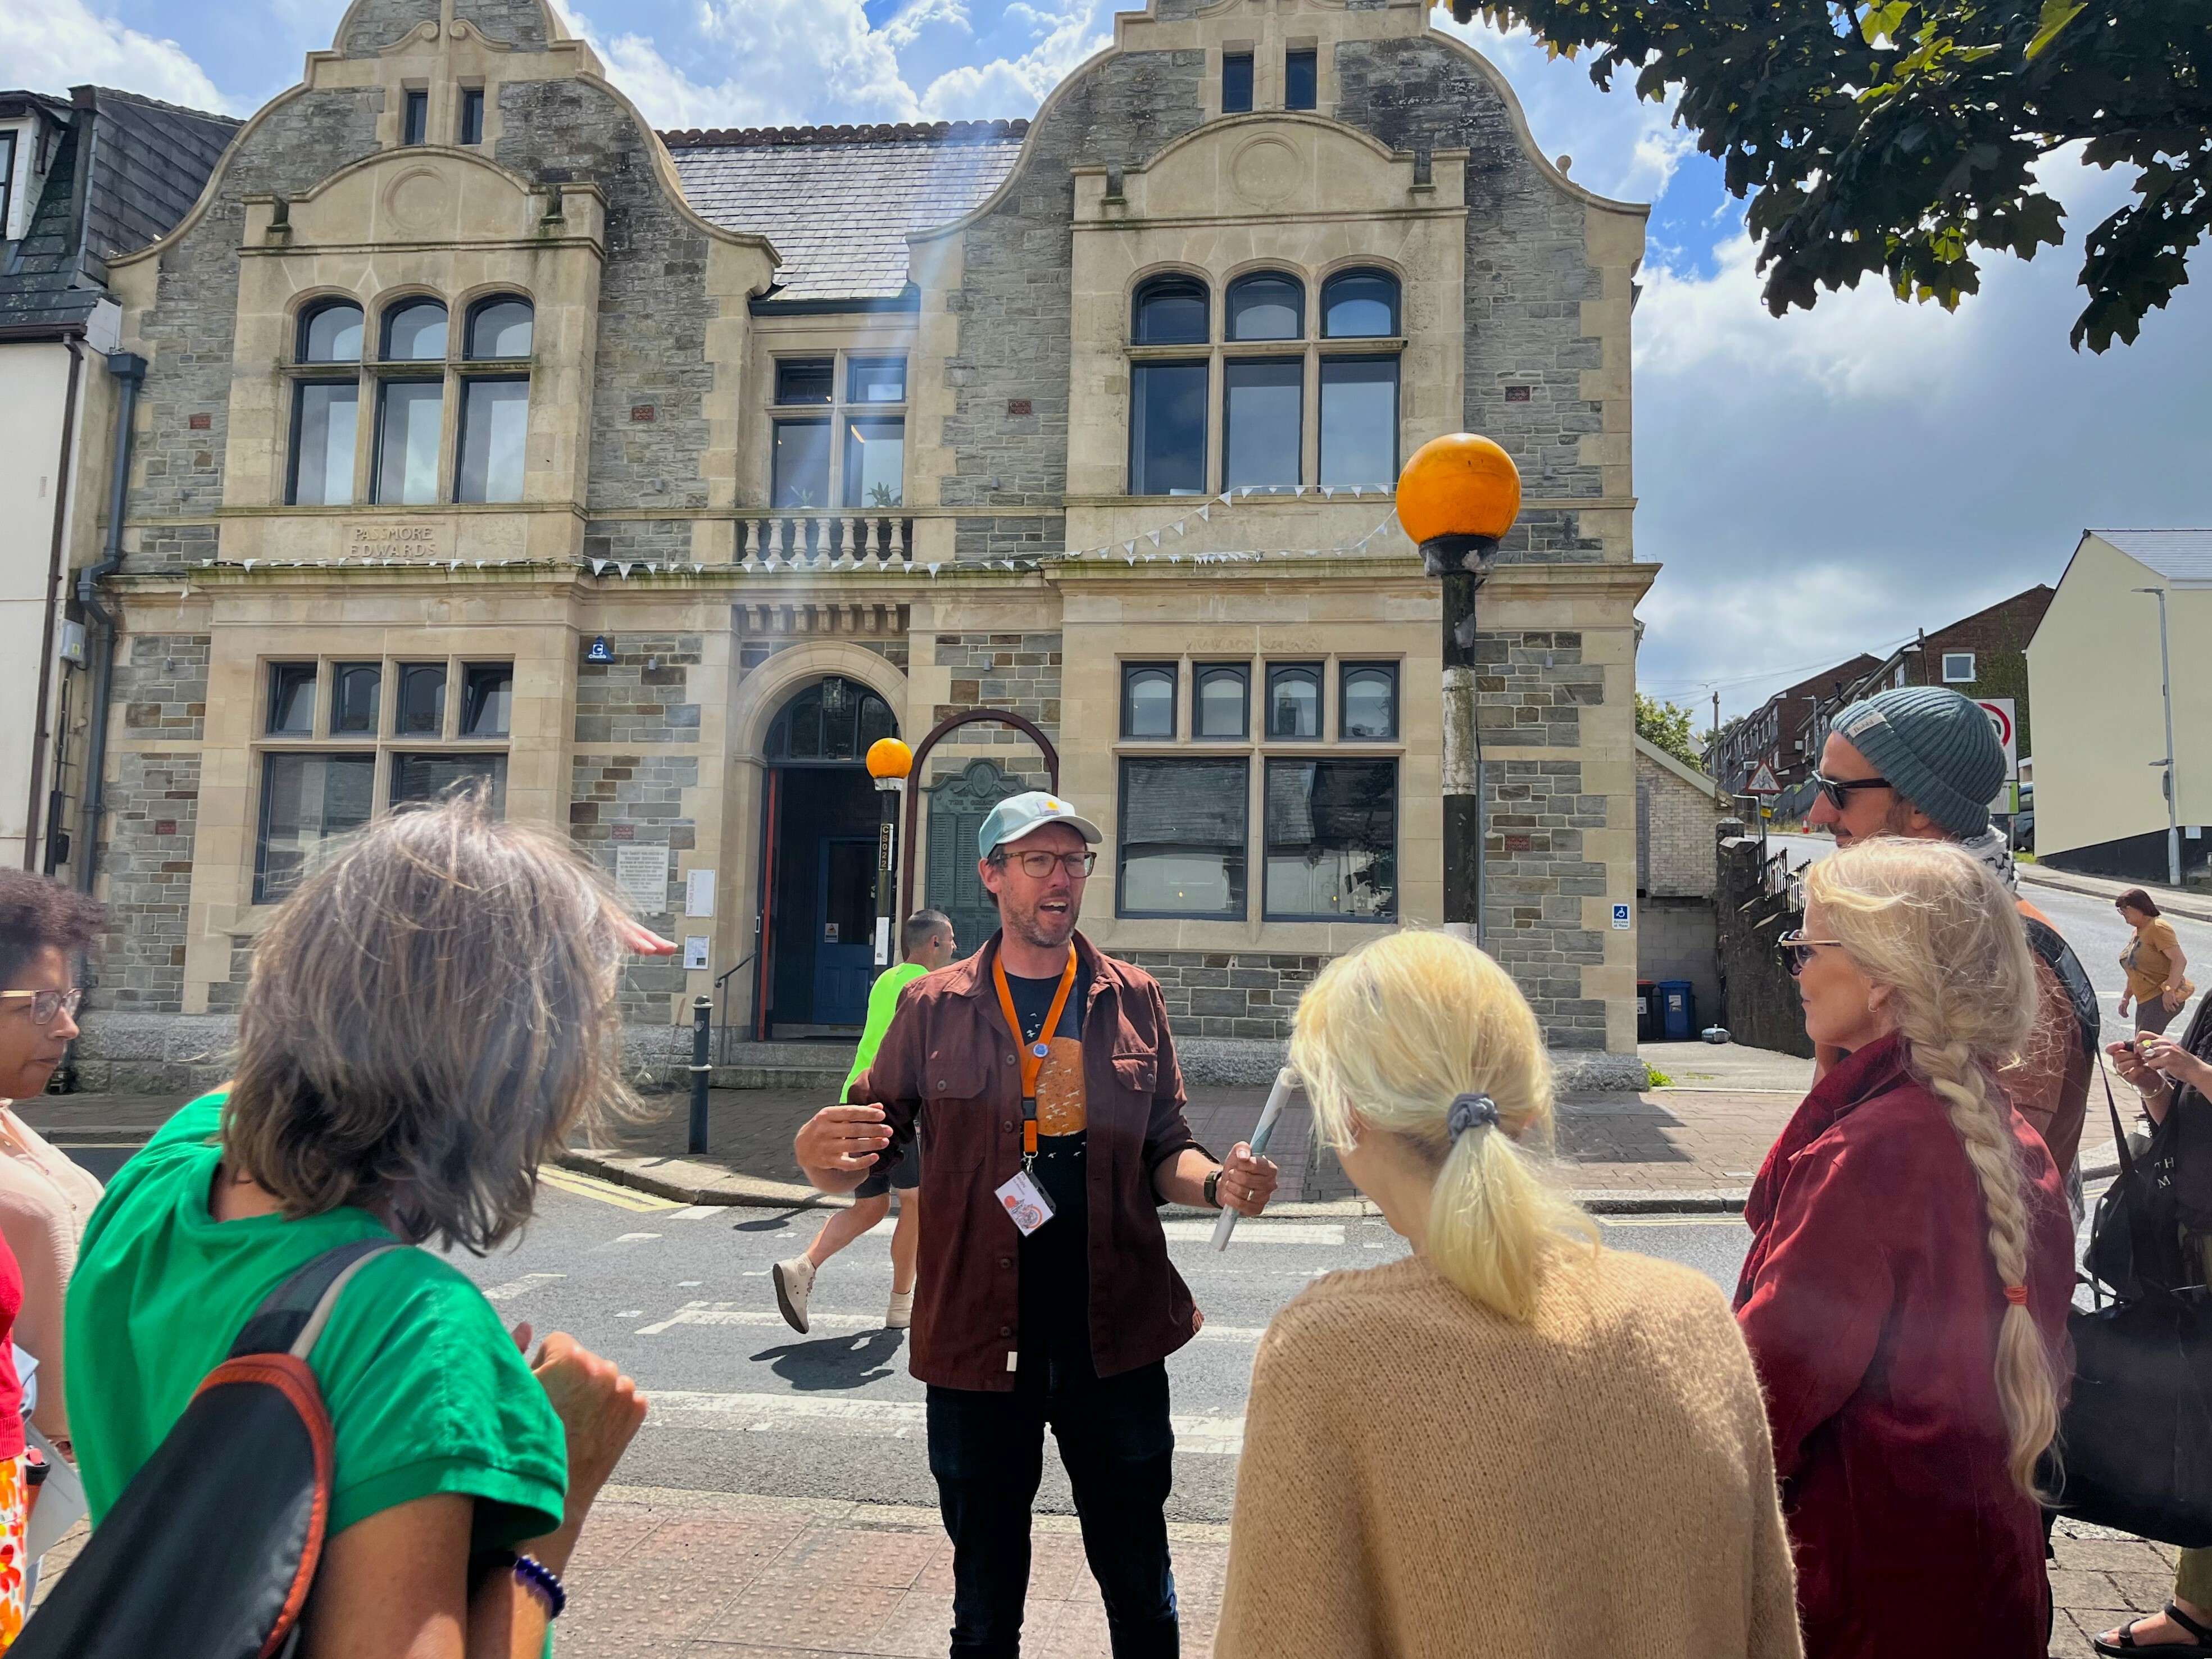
(2135, 1440)
(212, 1548)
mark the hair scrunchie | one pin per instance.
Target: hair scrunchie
(1472, 1112)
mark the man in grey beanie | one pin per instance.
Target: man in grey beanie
(1923, 761)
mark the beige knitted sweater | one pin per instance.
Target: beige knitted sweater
(1423, 1477)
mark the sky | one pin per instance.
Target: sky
(1815, 486)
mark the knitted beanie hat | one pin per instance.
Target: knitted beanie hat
(1936, 748)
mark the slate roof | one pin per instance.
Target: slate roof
(127, 169)
(839, 202)
(2180, 555)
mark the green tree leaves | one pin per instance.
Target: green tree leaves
(1667, 725)
(1900, 139)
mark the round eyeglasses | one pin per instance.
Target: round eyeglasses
(1038, 865)
(45, 1004)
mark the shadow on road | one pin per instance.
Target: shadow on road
(835, 1362)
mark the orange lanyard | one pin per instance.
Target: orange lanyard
(1033, 1054)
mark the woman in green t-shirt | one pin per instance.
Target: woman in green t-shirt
(428, 1018)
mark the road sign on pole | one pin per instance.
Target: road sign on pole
(1762, 781)
(2003, 723)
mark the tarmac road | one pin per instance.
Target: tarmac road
(681, 1297)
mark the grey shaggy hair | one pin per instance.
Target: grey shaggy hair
(428, 1018)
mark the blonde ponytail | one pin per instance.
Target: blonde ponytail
(1930, 922)
(1395, 1032)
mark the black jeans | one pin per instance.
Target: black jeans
(986, 1451)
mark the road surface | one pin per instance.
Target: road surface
(681, 1297)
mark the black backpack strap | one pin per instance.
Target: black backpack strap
(2046, 941)
(295, 1312)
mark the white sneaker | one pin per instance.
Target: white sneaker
(902, 1313)
(795, 1282)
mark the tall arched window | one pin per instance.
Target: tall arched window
(834, 720)
(1171, 311)
(495, 408)
(1267, 306)
(499, 328)
(326, 411)
(330, 333)
(414, 332)
(1169, 398)
(1359, 305)
(1358, 392)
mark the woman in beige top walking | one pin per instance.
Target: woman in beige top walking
(44, 1198)
(1512, 1440)
(2157, 967)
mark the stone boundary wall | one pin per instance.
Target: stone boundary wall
(1761, 1003)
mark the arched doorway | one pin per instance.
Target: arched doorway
(818, 859)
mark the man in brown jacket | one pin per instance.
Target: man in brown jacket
(1921, 761)
(1043, 1074)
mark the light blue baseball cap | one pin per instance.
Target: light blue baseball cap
(1019, 815)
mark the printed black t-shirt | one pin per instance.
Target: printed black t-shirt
(1055, 1262)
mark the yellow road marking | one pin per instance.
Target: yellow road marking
(584, 1186)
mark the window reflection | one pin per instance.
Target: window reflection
(1182, 845)
(1369, 713)
(1264, 413)
(1359, 420)
(1148, 692)
(1171, 311)
(500, 328)
(331, 334)
(1220, 702)
(1294, 700)
(1332, 830)
(1167, 430)
(495, 422)
(1359, 305)
(1268, 306)
(291, 699)
(414, 332)
(410, 413)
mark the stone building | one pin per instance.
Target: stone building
(488, 433)
(1679, 813)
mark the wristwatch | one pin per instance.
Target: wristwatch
(1212, 1198)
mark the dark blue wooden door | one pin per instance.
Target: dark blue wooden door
(845, 924)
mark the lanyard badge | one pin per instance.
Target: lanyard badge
(1033, 1054)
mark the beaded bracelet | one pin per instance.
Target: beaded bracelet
(535, 1576)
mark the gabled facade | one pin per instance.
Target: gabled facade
(2101, 731)
(487, 432)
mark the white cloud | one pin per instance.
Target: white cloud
(53, 44)
(801, 61)
(1066, 35)
(1622, 146)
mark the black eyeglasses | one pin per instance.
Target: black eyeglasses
(1797, 951)
(45, 1004)
(1038, 865)
(1838, 789)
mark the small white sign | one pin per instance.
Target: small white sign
(883, 941)
(641, 874)
(1620, 918)
(699, 893)
(695, 952)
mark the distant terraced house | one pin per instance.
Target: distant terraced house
(487, 433)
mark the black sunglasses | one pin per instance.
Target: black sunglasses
(1838, 790)
(1797, 951)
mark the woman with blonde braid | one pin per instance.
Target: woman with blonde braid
(1511, 1440)
(1911, 1266)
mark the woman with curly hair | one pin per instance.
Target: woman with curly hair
(1911, 1267)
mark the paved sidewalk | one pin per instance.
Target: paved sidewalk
(2195, 902)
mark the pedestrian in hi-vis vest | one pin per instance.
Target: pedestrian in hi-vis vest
(1042, 1073)
(926, 944)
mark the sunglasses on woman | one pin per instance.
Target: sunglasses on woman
(45, 1004)
(1838, 790)
(1797, 951)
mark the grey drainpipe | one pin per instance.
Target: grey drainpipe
(129, 369)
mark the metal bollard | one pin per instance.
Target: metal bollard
(701, 1013)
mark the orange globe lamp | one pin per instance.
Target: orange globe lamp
(1457, 497)
(1459, 485)
(889, 758)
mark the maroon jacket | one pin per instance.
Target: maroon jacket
(948, 1063)
(1871, 1309)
